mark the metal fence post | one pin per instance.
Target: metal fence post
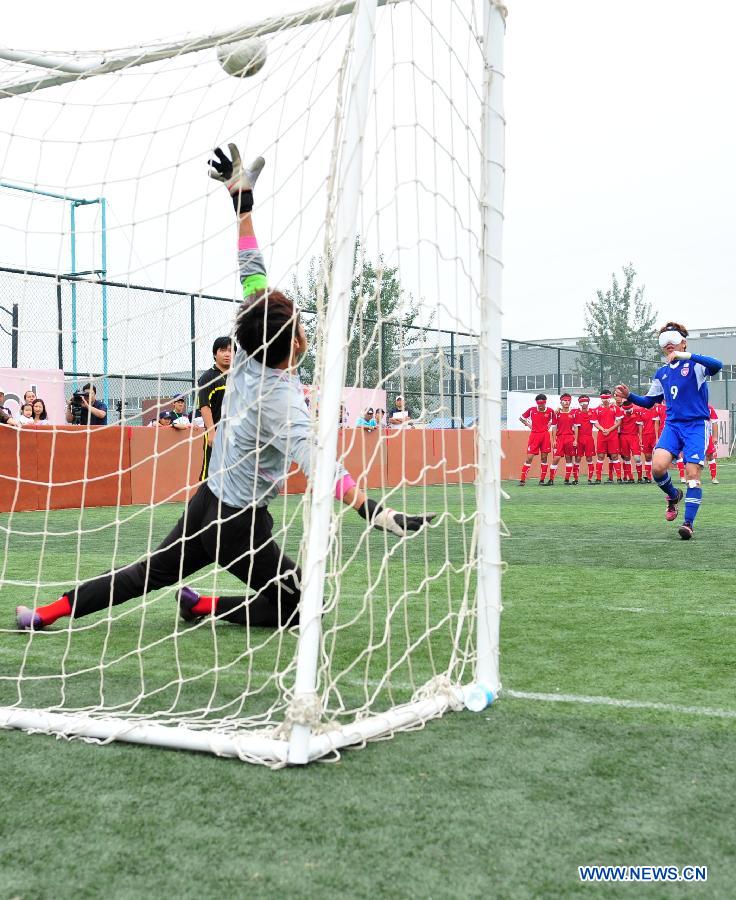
(14, 335)
(508, 345)
(638, 376)
(60, 324)
(452, 378)
(559, 370)
(601, 384)
(192, 338)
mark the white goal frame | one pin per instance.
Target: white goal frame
(306, 739)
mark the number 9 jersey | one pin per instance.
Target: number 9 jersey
(683, 386)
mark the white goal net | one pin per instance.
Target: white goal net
(378, 213)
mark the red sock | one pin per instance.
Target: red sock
(552, 473)
(576, 471)
(648, 469)
(617, 469)
(713, 468)
(204, 606)
(598, 470)
(525, 471)
(681, 468)
(568, 471)
(543, 473)
(53, 611)
(591, 470)
(638, 470)
(627, 470)
(610, 470)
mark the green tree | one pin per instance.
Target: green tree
(383, 322)
(618, 323)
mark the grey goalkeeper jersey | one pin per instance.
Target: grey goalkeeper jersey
(265, 424)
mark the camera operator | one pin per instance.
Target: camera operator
(83, 407)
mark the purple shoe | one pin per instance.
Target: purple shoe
(27, 620)
(187, 600)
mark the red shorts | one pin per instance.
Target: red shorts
(539, 442)
(565, 445)
(585, 445)
(608, 443)
(630, 445)
(648, 442)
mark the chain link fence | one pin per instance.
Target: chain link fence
(143, 344)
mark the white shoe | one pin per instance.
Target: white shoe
(714, 481)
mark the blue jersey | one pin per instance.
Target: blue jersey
(682, 386)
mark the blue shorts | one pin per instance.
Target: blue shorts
(688, 438)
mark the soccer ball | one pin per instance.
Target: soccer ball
(243, 58)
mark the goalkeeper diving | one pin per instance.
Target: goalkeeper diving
(265, 427)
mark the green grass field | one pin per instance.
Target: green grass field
(612, 743)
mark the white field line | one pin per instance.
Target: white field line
(623, 704)
(668, 612)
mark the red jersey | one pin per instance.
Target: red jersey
(565, 422)
(582, 418)
(541, 421)
(631, 421)
(605, 416)
(659, 411)
(620, 412)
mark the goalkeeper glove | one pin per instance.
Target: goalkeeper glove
(385, 519)
(238, 180)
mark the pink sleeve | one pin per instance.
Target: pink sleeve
(343, 485)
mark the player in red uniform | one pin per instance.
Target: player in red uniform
(539, 419)
(606, 420)
(585, 446)
(630, 431)
(564, 439)
(711, 453)
(649, 436)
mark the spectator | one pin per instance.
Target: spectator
(40, 416)
(344, 417)
(378, 415)
(5, 417)
(211, 391)
(29, 396)
(400, 415)
(166, 419)
(26, 414)
(366, 421)
(83, 407)
(3, 407)
(181, 418)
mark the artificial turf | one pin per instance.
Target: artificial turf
(603, 603)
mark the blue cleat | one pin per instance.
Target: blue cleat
(27, 620)
(187, 600)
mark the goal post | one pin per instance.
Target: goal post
(380, 211)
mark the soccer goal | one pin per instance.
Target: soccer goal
(379, 211)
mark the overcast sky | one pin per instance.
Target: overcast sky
(620, 144)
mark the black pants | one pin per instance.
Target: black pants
(241, 542)
(206, 457)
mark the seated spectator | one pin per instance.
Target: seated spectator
(366, 421)
(26, 414)
(29, 396)
(83, 407)
(181, 418)
(6, 417)
(40, 416)
(400, 415)
(166, 419)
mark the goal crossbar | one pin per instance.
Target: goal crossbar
(66, 71)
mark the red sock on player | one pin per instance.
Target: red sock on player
(681, 468)
(627, 470)
(204, 606)
(543, 473)
(525, 471)
(53, 611)
(591, 470)
(617, 470)
(568, 471)
(713, 469)
(576, 471)
(610, 471)
(598, 470)
(638, 471)
(648, 469)
(552, 472)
